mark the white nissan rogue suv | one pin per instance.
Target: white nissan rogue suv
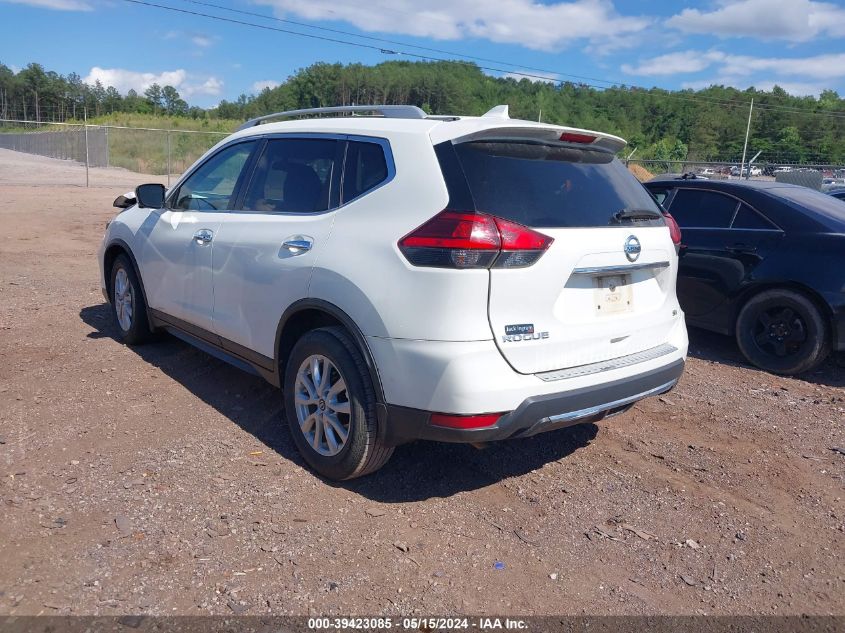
(403, 276)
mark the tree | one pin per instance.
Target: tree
(173, 103)
(155, 97)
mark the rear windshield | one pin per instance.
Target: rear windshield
(827, 209)
(542, 185)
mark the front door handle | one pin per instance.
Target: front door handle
(203, 237)
(298, 244)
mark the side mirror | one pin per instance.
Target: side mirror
(150, 196)
(125, 201)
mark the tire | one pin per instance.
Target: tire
(127, 303)
(319, 414)
(783, 332)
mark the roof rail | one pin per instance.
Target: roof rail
(388, 111)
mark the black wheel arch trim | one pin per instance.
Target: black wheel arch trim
(107, 274)
(346, 321)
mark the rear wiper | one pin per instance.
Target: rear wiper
(635, 214)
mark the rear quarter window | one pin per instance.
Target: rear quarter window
(365, 169)
(542, 185)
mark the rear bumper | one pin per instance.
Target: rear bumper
(838, 334)
(538, 414)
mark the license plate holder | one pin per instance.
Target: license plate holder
(613, 294)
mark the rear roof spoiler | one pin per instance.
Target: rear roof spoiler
(546, 133)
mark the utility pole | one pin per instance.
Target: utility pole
(747, 131)
(86, 147)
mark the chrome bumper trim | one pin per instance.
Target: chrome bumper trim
(625, 268)
(607, 365)
(591, 411)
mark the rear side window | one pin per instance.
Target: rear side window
(541, 185)
(660, 194)
(365, 169)
(293, 175)
(697, 208)
(748, 218)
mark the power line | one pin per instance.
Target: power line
(400, 43)
(609, 82)
(408, 54)
(693, 98)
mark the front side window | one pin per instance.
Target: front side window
(212, 186)
(293, 175)
(698, 208)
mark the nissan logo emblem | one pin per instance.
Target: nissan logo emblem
(632, 248)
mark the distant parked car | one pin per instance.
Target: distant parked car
(709, 171)
(764, 262)
(744, 171)
(832, 184)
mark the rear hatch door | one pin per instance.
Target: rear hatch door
(606, 286)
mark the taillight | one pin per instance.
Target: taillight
(450, 421)
(674, 229)
(468, 239)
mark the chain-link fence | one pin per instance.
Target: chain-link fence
(817, 176)
(104, 155)
(107, 155)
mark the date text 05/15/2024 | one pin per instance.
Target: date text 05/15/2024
(418, 623)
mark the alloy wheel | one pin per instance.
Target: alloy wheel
(322, 405)
(780, 331)
(123, 299)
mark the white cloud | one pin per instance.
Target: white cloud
(821, 67)
(533, 76)
(124, 80)
(203, 41)
(525, 22)
(57, 5)
(791, 20)
(670, 64)
(796, 88)
(258, 86)
(211, 86)
(829, 66)
(200, 40)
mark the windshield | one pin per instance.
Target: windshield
(542, 185)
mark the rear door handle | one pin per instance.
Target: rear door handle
(298, 244)
(203, 237)
(742, 248)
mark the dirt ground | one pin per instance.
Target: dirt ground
(159, 480)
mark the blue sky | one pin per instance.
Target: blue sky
(797, 44)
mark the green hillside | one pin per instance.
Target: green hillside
(706, 124)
